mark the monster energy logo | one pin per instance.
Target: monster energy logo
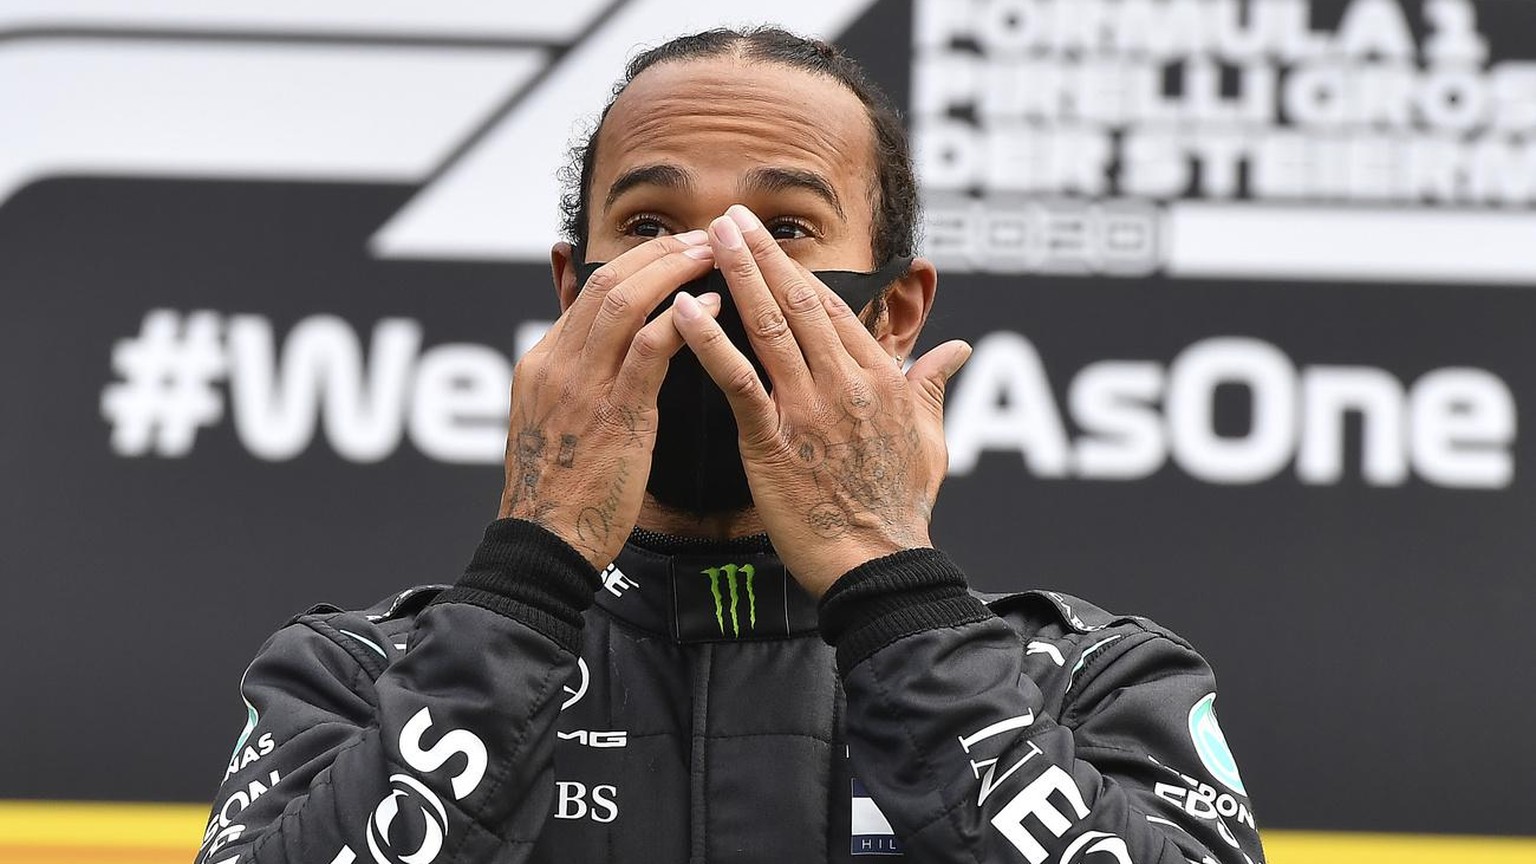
(733, 585)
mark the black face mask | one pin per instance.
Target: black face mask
(696, 465)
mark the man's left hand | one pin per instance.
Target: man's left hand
(846, 455)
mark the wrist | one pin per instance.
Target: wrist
(526, 572)
(893, 597)
(575, 539)
(831, 565)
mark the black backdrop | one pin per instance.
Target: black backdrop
(1370, 640)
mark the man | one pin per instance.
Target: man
(778, 666)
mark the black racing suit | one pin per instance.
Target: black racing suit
(694, 713)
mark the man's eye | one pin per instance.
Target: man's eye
(789, 229)
(647, 227)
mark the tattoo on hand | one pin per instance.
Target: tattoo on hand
(827, 520)
(812, 450)
(870, 471)
(594, 525)
(860, 406)
(567, 456)
(866, 478)
(529, 451)
(530, 443)
(630, 417)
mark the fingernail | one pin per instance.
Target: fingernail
(745, 219)
(686, 306)
(711, 300)
(726, 231)
(700, 253)
(694, 238)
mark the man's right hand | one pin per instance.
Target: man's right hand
(583, 420)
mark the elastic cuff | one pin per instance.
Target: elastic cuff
(528, 573)
(889, 598)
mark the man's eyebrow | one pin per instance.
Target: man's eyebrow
(666, 176)
(768, 180)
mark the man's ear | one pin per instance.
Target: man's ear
(907, 305)
(563, 264)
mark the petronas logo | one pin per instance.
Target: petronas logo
(736, 579)
(1211, 744)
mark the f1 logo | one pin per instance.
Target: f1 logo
(474, 103)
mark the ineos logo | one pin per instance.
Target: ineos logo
(416, 797)
(407, 794)
(1093, 842)
(579, 690)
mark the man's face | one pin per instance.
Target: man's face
(688, 139)
(685, 141)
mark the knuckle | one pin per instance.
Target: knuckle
(647, 345)
(617, 306)
(861, 401)
(627, 421)
(770, 444)
(714, 339)
(822, 412)
(744, 267)
(743, 381)
(933, 389)
(800, 296)
(770, 325)
(530, 372)
(602, 281)
(770, 440)
(837, 310)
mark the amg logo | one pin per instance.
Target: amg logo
(596, 740)
(734, 586)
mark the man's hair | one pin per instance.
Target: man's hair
(895, 203)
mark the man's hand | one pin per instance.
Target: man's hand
(846, 456)
(583, 419)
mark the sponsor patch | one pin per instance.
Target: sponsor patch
(871, 832)
(1211, 744)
